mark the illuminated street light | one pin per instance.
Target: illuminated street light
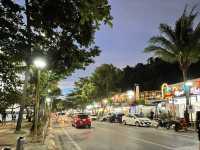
(130, 94)
(40, 63)
(188, 83)
(48, 100)
(105, 101)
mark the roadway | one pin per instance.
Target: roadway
(107, 136)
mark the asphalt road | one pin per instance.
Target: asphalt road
(106, 136)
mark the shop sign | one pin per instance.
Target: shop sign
(195, 90)
(179, 93)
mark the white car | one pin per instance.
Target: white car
(93, 117)
(105, 117)
(137, 120)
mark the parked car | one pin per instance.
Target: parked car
(137, 120)
(81, 120)
(116, 117)
(105, 117)
(93, 117)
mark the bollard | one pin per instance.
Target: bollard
(20, 143)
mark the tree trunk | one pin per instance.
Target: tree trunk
(21, 111)
(27, 55)
(187, 94)
(184, 72)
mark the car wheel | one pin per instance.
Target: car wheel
(124, 122)
(89, 126)
(137, 124)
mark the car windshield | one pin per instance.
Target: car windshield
(83, 116)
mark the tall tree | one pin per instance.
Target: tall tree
(179, 44)
(64, 36)
(106, 79)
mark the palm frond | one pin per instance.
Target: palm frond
(168, 31)
(163, 42)
(166, 56)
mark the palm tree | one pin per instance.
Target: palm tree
(179, 44)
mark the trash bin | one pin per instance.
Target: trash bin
(20, 143)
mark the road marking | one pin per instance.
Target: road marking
(144, 141)
(72, 140)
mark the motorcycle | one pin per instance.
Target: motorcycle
(164, 123)
(180, 124)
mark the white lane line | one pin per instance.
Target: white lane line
(142, 140)
(72, 140)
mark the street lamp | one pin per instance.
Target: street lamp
(39, 64)
(130, 94)
(189, 83)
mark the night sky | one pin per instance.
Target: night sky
(135, 21)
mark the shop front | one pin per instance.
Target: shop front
(175, 95)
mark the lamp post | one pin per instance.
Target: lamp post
(39, 64)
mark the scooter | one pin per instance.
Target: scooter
(164, 123)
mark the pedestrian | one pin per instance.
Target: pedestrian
(4, 117)
(13, 116)
(151, 115)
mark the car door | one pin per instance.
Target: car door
(132, 120)
(127, 119)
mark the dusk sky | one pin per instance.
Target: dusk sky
(135, 21)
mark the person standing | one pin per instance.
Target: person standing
(151, 115)
(4, 117)
(13, 116)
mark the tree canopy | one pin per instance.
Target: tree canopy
(179, 44)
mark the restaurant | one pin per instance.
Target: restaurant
(175, 94)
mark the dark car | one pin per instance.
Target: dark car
(81, 120)
(116, 117)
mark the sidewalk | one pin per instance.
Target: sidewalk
(8, 137)
(48, 145)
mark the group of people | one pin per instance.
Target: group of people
(4, 117)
